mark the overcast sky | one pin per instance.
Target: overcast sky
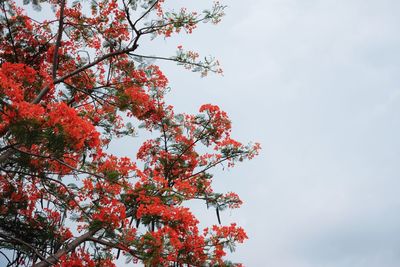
(317, 83)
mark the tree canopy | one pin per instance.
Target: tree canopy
(69, 84)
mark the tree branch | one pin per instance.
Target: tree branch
(15, 239)
(79, 70)
(10, 32)
(59, 38)
(53, 259)
(144, 14)
(174, 60)
(114, 245)
(234, 155)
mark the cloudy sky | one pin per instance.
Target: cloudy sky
(317, 83)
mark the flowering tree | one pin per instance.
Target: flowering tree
(69, 84)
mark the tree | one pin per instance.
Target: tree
(70, 84)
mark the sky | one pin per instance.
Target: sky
(316, 83)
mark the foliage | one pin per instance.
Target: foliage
(70, 84)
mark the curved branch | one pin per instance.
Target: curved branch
(5, 256)
(144, 14)
(15, 239)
